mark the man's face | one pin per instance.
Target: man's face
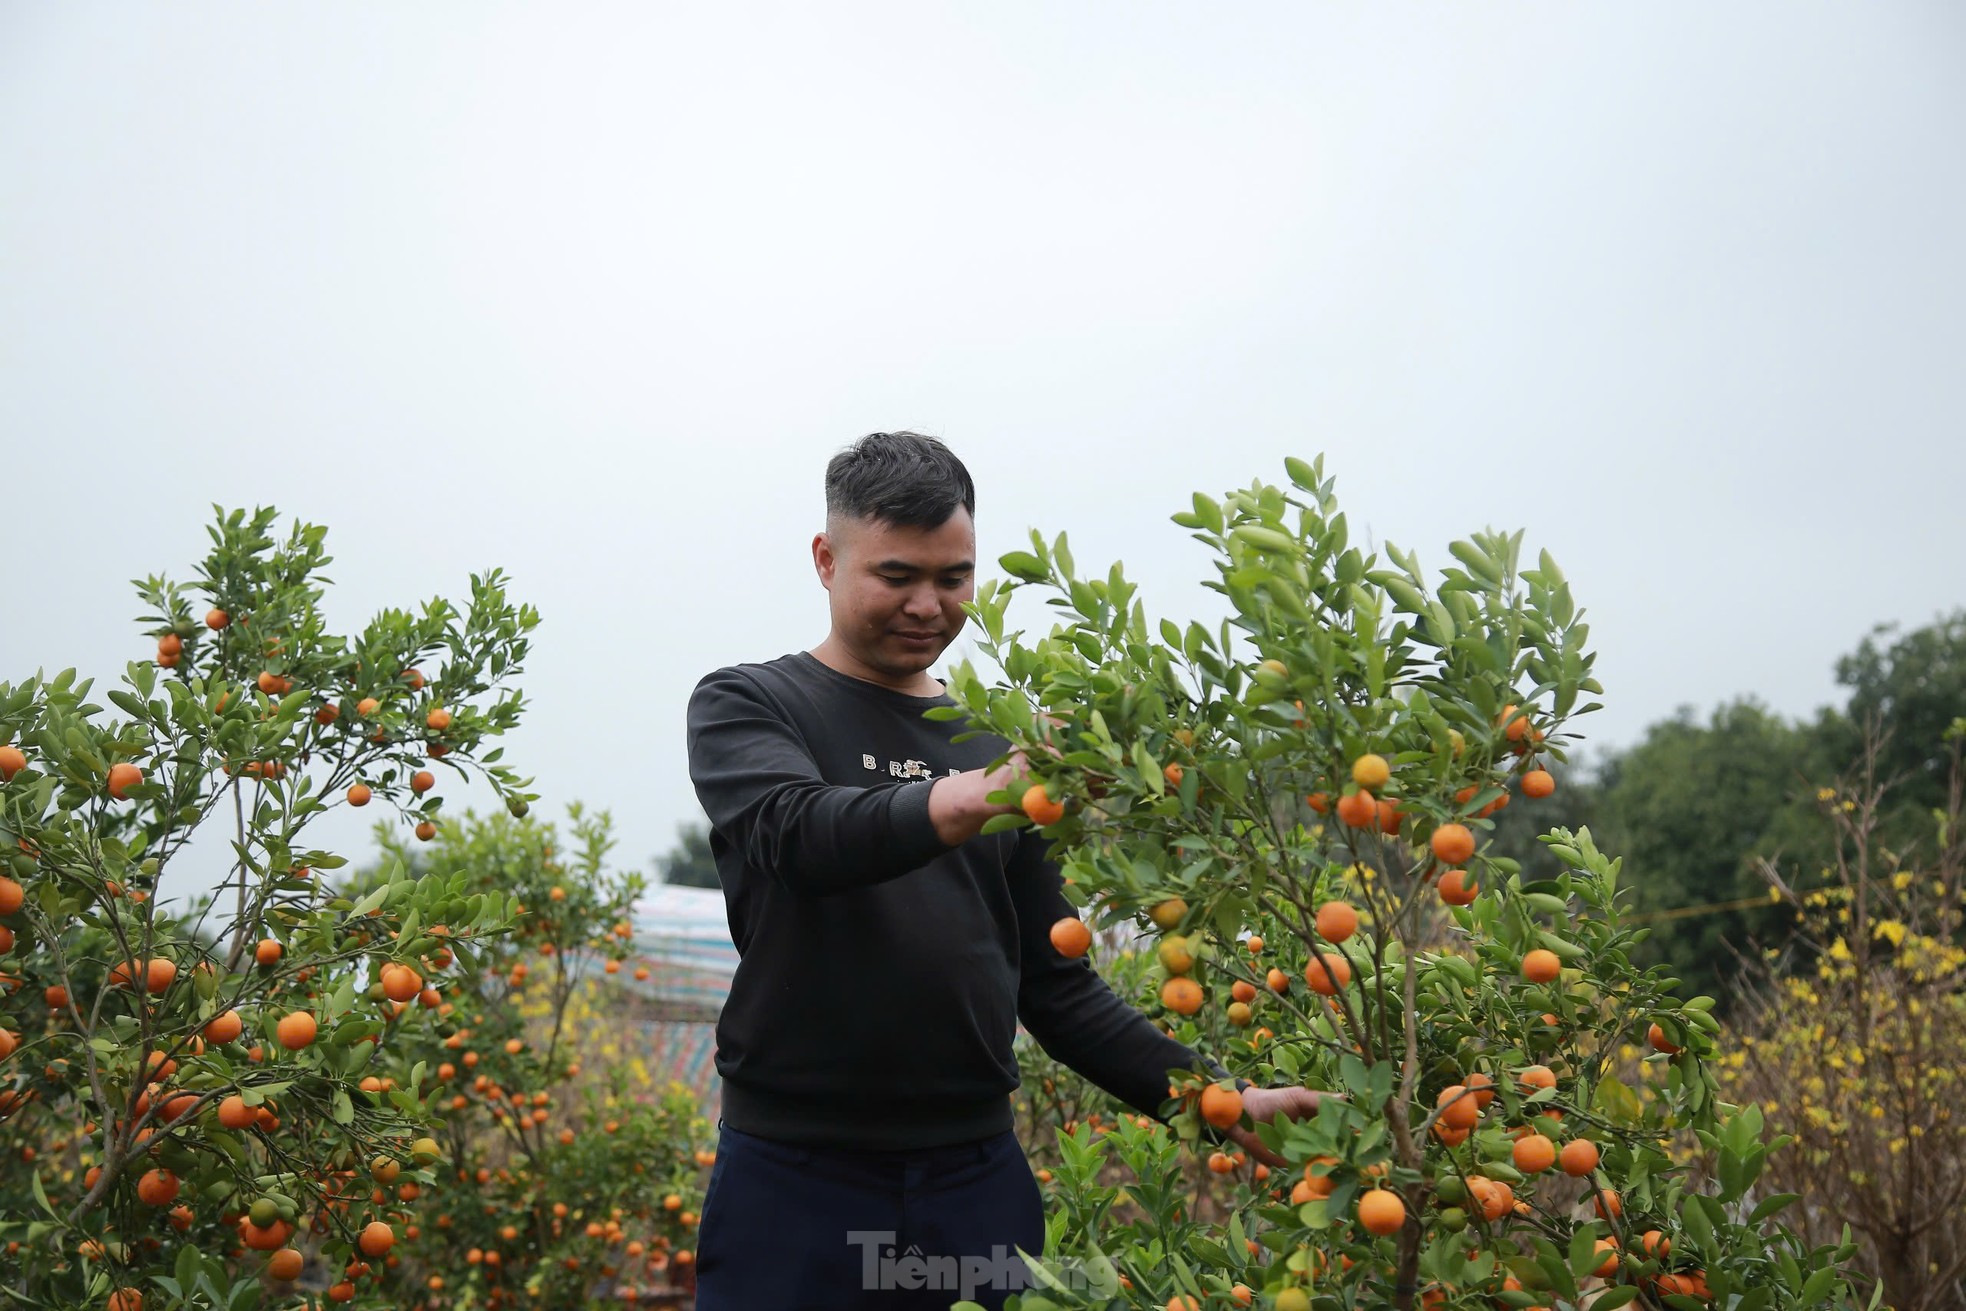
(897, 594)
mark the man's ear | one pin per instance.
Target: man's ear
(824, 562)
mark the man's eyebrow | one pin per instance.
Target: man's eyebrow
(908, 567)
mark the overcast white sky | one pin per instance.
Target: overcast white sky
(591, 291)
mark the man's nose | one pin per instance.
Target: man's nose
(923, 603)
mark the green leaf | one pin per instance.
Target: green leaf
(1209, 512)
(1732, 1183)
(1477, 561)
(1150, 771)
(1405, 595)
(1265, 539)
(1044, 1275)
(1565, 949)
(1354, 1077)
(371, 902)
(1817, 1286)
(1693, 1218)
(1617, 1102)
(1208, 1250)
(1770, 1205)
(130, 705)
(1583, 1254)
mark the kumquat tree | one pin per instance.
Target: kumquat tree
(571, 1179)
(1055, 1100)
(190, 1104)
(1296, 803)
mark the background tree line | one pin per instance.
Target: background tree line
(1693, 804)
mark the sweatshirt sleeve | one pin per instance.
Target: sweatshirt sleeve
(763, 792)
(1070, 1010)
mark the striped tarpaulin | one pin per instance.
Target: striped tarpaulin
(682, 939)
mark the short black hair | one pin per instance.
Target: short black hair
(900, 478)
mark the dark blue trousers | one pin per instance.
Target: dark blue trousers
(789, 1228)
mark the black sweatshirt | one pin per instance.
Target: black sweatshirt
(882, 973)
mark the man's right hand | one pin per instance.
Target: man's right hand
(959, 805)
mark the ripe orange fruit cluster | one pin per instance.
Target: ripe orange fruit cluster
(400, 983)
(1221, 1107)
(1039, 807)
(1381, 1212)
(1328, 973)
(1534, 1153)
(1371, 772)
(158, 974)
(1336, 921)
(1458, 1107)
(1457, 889)
(1070, 937)
(1541, 966)
(296, 1030)
(376, 1239)
(1358, 810)
(1578, 1158)
(122, 777)
(1181, 994)
(157, 1188)
(233, 1113)
(1453, 844)
(224, 1027)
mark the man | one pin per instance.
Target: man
(887, 950)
